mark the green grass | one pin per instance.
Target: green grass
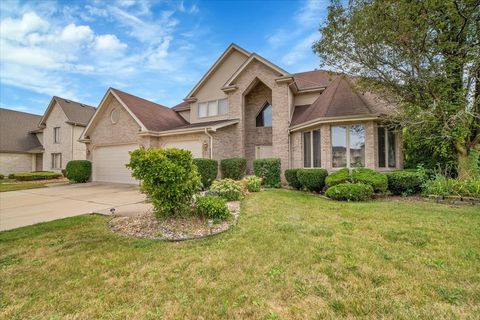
(292, 256)
(6, 186)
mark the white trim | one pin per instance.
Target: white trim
(188, 130)
(222, 57)
(315, 122)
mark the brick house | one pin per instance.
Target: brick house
(246, 106)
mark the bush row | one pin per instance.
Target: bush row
(443, 186)
(207, 169)
(38, 175)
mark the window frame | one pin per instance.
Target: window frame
(207, 104)
(53, 160)
(312, 144)
(386, 147)
(347, 145)
(261, 113)
(56, 135)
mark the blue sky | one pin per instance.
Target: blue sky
(155, 49)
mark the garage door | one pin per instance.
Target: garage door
(194, 146)
(109, 164)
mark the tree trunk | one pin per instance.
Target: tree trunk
(468, 164)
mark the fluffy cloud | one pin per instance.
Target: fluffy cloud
(19, 28)
(109, 43)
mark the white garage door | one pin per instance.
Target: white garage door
(194, 146)
(109, 164)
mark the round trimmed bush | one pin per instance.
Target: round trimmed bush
(291, 177)
(228, 189)
(312, 179)
(350, 192)
(212, 207)
(377, 180)
(337, 177)
(207, 169)
(404, 182)
(78, 171)
(233, 168)
(269, 170)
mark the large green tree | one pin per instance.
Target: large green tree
(425, 55)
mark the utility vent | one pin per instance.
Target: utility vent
(67, 101)
(83, 105)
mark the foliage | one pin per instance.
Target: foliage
(404, 182)
(78, 170)
(422, 55)
(350, 192)
(312, 179)
(169, 178)
(444, 186)
(233, 168)
(377, 180)
(212, 207)
(252, 183)
(2, 176)
(337, 177)
(269, 170)
(292, 179)
(38, 175)
(228, 189)
(207, 169)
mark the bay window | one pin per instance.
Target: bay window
(212, 108)
(386, 148)
(348, 146)
(311, 149)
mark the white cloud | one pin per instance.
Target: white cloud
(300, 50)
(19, 28)
(311, 13)
(109, 43)
(73, 33)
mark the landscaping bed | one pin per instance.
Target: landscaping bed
(172, 229)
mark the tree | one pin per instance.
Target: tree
(424, 55)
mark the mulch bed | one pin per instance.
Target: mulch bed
(172, 229)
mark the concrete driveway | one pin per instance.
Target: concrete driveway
(26, 207)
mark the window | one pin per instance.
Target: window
(386, 147)
(212, 108)
(56, 161)
(311, 149)
(56, 135)
(264, 118)
(348, 146)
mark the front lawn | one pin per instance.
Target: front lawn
(292, 256)
(9, 186)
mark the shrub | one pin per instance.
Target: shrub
(228, 189)
(252, 183)
(30, 176)
(292, 179)
(78, 170)
(312, 179)
(443, 186)
(233, 168)
(213, 208)
(2, 176)
(337, 177)
(169, 178)
(350, 192)
(208, 170)
(269, 170)
(377, 180)
(404, 182)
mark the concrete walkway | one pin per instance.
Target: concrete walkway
(26, 207)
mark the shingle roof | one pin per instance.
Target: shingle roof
(313, 79)
(181, 106)
(338, 100)
(14, 131)
(205, 124)
(153, 116)
(76, 112)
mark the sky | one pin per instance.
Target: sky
(157, 50)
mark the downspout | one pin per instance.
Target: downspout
(73, 133)
(211, 142)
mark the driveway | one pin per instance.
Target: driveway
(26, 207)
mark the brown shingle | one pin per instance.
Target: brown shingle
(313, 79)
(76, 112)
(14, 131)
(181, 106)
(153, 116)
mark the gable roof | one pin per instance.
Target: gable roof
(313, 79)
(76, 112)
(340, 99)
(181, 106)
(217, 63)
(14, 131)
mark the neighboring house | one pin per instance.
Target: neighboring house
(20, 150)
(246, 106)
(43, 143)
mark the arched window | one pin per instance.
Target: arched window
(264, 117)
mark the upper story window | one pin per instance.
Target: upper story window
(212, 108)
(264, 117)
(56, 135)
(348, 146)
(386, 148)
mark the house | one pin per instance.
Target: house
(246, 106)
(20, 150)
(43, 143)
